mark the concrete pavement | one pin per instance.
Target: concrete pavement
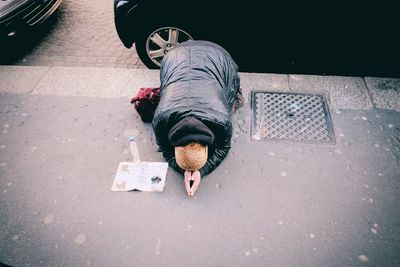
(65, 129)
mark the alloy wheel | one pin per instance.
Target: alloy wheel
(162, 40)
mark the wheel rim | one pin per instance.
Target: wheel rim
(162, 40)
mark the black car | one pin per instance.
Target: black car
(282, 37)
(17, 15)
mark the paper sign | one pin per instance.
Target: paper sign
(143, 176)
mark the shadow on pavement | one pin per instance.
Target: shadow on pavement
(27, 41)
(362, 64)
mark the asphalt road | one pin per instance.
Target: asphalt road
(63, 132)
(79, 34)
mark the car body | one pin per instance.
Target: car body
(17, 15)
(279, 37)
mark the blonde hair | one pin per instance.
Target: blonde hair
(192, 156)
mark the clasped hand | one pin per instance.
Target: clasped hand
(192, 182)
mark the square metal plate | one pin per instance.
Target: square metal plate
(291, 117)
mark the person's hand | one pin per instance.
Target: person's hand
(192, 182)
(188, 178)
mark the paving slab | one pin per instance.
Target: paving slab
(343, 92)
(267, 204)
(20, 79)
(385, 92)
(96, 82)
(261, 81)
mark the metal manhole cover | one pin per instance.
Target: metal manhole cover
(291, 117)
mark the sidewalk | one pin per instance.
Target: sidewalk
(63, 132)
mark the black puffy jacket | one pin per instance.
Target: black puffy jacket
(198, 79)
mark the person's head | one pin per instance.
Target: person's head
(191, 157)
(190, 137)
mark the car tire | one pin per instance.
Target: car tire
(153, 44)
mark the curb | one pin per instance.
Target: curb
(342, 92)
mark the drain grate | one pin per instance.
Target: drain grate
(291, 117)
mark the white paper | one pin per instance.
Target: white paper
(143, 176)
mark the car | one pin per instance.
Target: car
(278, 37)
(19, 15)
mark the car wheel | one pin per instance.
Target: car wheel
(154, 45)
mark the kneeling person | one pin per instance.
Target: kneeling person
(200, 88)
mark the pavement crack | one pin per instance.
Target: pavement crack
(39, 80)
(367, 93)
